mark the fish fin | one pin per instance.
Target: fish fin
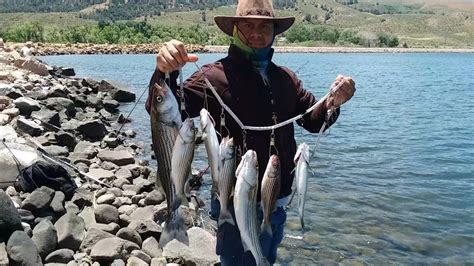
(174, 228)
(266, 228)
(225, 217)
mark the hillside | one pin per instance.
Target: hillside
(438, 23)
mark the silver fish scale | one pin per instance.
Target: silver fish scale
(181, 165)
(164, 137)
(270, 191)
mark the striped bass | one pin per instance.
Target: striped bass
(269, 192)
(302, 161)
(245, 204)
(212, 147)
(226, 178)
(165, 122)
(183, 154)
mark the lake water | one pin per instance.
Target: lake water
(393, 179)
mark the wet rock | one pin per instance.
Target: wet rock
(106, 214)
(93, 236)
(45, 238)
(39, 199)
(130, 235)
(60, 256)
(123, 95)
(9, 218)
(21, 250)
(70, 231)
(150, 246)
(119, 158)
(29, 127)
(93, 129)
(47, 116)
(196, 252)
(26, 105)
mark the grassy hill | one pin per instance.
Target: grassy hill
(438, 23)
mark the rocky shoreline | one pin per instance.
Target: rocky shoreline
(41, 49)
(73, 119)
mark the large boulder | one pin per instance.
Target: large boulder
(10, 220)
(60, 103)
(26, 105)
(123, 95)
(70, 231)
(196, 252)
(45, 237)
(39, 199)
(22, 250)
(48, 116)
(120, 157)
(29, 127)
(93, 129)
(35, 66)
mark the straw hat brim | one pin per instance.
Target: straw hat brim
(226, 23)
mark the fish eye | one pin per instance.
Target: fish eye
(159, 99)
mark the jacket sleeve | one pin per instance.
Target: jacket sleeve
(312, 121)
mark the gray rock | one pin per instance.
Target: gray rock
(93, 129)
(101, 174)
(130, 235)
(143, 184)
(105, 86)
(109, 228)
(47, 116)
(57, 204)
(26, 105)
(110, 142)
(137, 198)
(125, 220)
(94, 102)
(106, 199)
(35, 66)
(66, 139)
(146, 228)
(71, 207)
(116, 191)
(87, 214)
(160, 262)
(124, 173)
(127, 209)
(21, 250)
(85, 150)
(119, 158)
(93, 236)
(26, 216)
(154, 198)
(57, 150)
(39, 199)
(105, 213)
(150, 246)
(196, 252)
(3, 254)
(130, 133)
(112, 248)
(4, 119)
(45, 238)
(29, 127)
(120, 182)
(118, 262)
(60, 256)
(11, 191)
(144, 213)
(70, 231)
(123, 95)
(135, 261)
(110, 166)
(111, 104)
(11, 112)
(60, 103)
(133, 188)
(82, 197)
(134, 169)
(10, 220)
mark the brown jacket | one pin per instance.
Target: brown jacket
(244, 91)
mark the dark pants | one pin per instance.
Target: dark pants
(229, 244)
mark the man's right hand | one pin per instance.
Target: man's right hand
(172, 56)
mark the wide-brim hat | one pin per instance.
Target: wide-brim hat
(261, 9)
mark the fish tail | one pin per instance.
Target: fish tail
(174, 229)
(225, 217)
(266, 228)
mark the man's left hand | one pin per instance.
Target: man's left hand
(340, 93)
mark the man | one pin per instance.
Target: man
(260, 93)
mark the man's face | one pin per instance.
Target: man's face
(256, 33)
